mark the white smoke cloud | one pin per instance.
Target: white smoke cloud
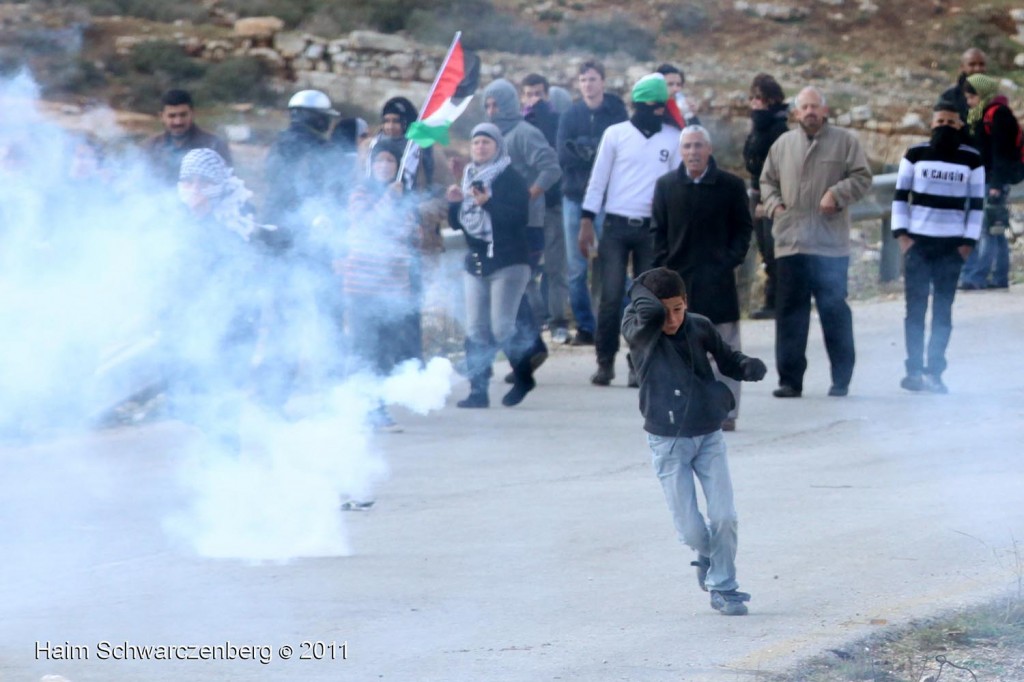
(107, 289)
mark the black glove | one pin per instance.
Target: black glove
(753, 369)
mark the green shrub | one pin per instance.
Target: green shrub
(239, 79)
(490, 29)
(153, 10)
(607, 36)
(158, 57)
(688, 18)
(72, 75)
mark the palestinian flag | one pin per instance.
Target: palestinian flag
(673, 115)
(449, 96)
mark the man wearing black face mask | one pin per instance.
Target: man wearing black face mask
(630, 159)
(936, 216)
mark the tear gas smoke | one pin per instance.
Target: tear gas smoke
(110, 288)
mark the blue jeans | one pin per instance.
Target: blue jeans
(676, 462)
(579, 293)
(989, 263)
(927, 274)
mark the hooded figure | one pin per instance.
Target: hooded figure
(532, 157)
(560, 99)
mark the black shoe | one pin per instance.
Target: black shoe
(475, 399)
(763, 314)
(604, 374)
(536, 360)
(970, 286)
(518, 391)
(785, 391)
(729, 603)
(582, 338)
(702, 563)
(838, 391)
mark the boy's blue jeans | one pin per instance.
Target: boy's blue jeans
(676, 462)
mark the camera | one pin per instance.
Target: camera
(478, 186)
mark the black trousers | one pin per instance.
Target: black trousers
(927, 273)
(621, 238)
(766, 247)
(799, 278)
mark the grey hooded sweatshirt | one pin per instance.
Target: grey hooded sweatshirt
(532, 157)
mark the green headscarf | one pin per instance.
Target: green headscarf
(651, 89)
(987, 88)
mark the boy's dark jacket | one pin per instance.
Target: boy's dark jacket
(679, 395)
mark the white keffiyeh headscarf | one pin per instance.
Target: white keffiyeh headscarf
(475, 220)
(227, 193)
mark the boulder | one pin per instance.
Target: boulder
(861, 113)
(290, 43)
(378, 42)
(772, 10)
(258, 27)
(274, 61)
(912, 122)
(314, 52)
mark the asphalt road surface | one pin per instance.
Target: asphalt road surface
(534, 544)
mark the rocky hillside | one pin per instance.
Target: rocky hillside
(881, 64)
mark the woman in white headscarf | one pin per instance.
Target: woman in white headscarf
(492, 208)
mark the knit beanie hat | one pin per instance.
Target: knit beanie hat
(392, 146)
(489, 130)
(650, 89)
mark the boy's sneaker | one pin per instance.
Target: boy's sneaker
(560, 335)
(729, 603)
(702, 563)
(913, 382)
(933, 384)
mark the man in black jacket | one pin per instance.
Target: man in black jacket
(972, 61)
(683, 408)
(579, 133)
(181, 135)
(769, 114)
(701, 228)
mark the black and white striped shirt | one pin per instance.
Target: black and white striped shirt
(941, 198)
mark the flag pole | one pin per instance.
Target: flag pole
(430, 94)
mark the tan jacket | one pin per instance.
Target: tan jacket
(797, 174)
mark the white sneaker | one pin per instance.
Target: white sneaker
(560, 335)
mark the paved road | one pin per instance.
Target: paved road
(533, 543)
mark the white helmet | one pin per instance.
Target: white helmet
(312, 99)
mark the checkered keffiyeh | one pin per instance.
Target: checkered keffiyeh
(228, 192)
(206, 164)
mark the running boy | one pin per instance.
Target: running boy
(683, 408)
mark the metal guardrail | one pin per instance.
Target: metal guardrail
(877, 205)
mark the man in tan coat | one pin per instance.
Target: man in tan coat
(812, 176)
